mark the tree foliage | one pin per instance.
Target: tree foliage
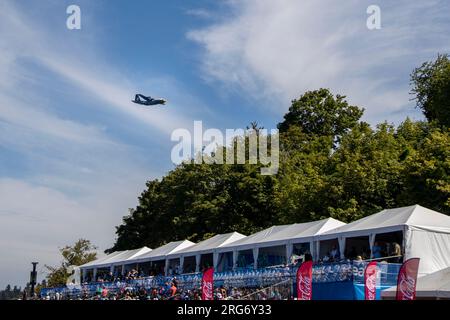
(321, 113)
(83, 251)
(431, 87)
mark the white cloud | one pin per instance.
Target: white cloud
(282, 48)
(32, 117)
(36, 221)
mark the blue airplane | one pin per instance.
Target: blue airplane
(148, 101)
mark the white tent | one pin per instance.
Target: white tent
(253, 240)
(280, 235)
(432, 286)
(116, 258)
(302, 231)
(283, 235)
(208, 246)
(99, 261)
(127, 256)
(162, 252)
(426, 234)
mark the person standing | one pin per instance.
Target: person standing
(376, 251)
(24, 295)
(396, 252)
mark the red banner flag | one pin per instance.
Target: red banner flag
(370, 281)
(304, 281)
(208, 284)
(407, 279)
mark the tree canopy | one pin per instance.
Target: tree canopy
(321, 113)
(431, 89)
(83, 251)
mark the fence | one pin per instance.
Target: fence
(279, 291)
(244, 278)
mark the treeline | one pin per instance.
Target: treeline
(11, 293)
(331, 165)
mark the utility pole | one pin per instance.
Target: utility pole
(33, 278)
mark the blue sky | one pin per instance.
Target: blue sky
(75, 152)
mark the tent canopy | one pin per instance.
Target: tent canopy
(209, 245)
(116, 259)
(252, 239)
(160, 253)
(280, 235)
(434, 285)
(426, 234)
(305, 231)
(391, 220)
(100, 260)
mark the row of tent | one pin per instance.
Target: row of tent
(425, 233)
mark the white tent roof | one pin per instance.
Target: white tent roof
(390, 220)
(257, 237)
(120, 258)
(160, 253)
(304, 230)
(434, 285)
(285, 233)
(98, 261)
(209, 245)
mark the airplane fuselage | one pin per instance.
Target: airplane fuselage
(150, 103)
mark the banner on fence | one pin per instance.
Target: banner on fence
(304, 281)
(407, 279)
(370, 281)
(208, 284)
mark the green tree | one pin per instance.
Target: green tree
(431, 88)
(320, 113)
(364, 174)
(302, 183)
(83, 251)
(427, 171)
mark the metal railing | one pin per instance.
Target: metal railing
(278, 291)
(248, 278)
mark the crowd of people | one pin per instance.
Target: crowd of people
(133, 274)
(236, 284)
(333, 255)
(381, 251)
(171, 291)
(387, 249)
